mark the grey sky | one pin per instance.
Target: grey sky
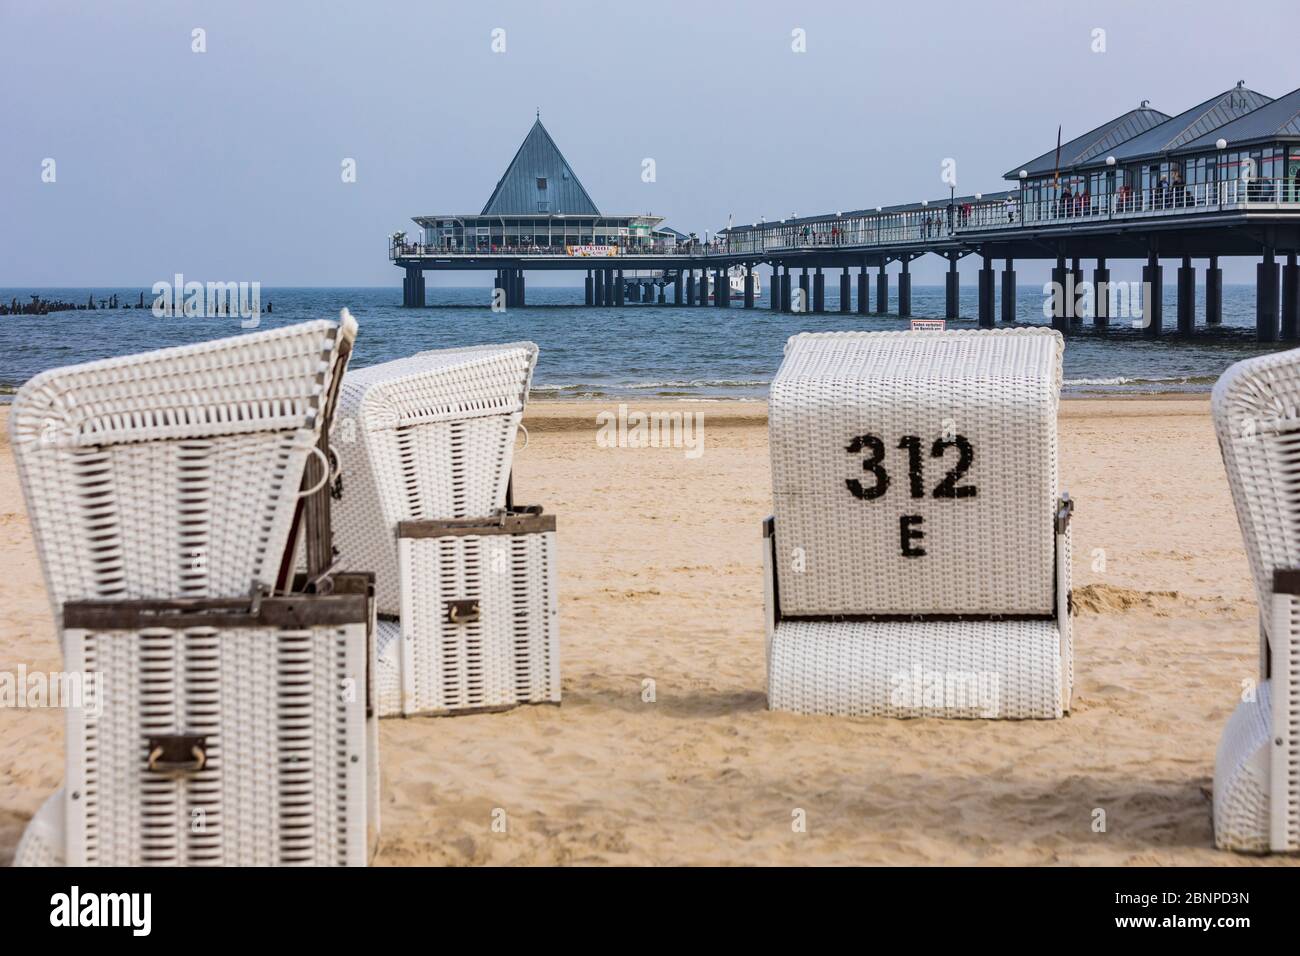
(225, 165)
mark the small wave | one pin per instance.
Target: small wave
(1154, 383)
(702, 383)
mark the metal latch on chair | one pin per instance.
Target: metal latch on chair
(1064, 510)
(177, 753)
(462, 612)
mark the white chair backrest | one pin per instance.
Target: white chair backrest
(173, 473)
(426, 437)
(916, 472)
(1256, 408)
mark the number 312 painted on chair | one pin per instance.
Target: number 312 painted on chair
(909, 532)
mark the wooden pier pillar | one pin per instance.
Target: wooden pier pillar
(620, 289)
(1101, 295)
(1009, 292)
(882, 291)
(677, 287)
(1266, 299)
(1186, 308)
(819, 291)
(663, 293)
(1060, 297)
(690, 287)
(1213, 293)
(806, 295)
(722, 289)
(1290, 299)
(499, 289)
(609, 287)
(749, 285)
(774, 289)
(864, 290)
(951, 289)
(785, 289)
(1153, 296)
(846, 291)
(905, 290)
(588, 293)
(412, 297)
(1076, 303)
(986, 294)
(519, 288)
(598, 285)
(702, 288)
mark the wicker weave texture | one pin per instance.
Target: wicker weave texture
(172, 473)
(510, 656)
(1256, 409)
(953, 669)
(425, 437)
(1241, 777)
(284, 717)
(43, 842)
(871, 429)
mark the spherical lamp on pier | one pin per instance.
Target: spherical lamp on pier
(1024, 174)
(1221, 143)
(1110, 160)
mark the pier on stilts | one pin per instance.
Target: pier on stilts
(1180, 192)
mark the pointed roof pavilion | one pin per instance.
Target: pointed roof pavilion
(539, 181)
(1190, 125)
(1095, 142)
(1279, 119)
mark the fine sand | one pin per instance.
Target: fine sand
(660, 579)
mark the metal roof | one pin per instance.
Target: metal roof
(1281, 117)
(1189, 125)
(539, 161)
(1095, 142)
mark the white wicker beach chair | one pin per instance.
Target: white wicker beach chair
(917, 562)
(173, 473)
(465, 583)
(232, 728)
(1256, 407)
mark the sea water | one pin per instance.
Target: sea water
(644, 351)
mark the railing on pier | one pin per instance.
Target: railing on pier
(1168, 200)
(951, 222)
(397, 250)
(943, 223)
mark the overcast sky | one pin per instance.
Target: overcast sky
(226, 165)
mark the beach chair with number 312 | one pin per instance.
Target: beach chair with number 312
(918, 558)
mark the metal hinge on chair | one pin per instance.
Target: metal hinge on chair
(1064, 510)
(177, 753)
(462, 612)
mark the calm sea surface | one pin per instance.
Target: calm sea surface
(638, 350)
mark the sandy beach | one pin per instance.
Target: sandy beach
(661, 580)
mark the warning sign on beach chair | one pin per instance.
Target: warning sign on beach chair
(929, 325)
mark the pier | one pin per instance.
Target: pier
(1217, 180)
